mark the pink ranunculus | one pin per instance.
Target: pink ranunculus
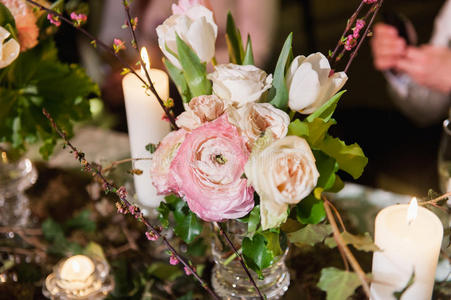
(184, 5)
(207, 172)
(162, 158)
(25, 23)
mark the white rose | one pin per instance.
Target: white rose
(309, 84)
(239, 85)
(253, 119)
(283, 173)
(9, 50)
(195, 27)
(200, 110)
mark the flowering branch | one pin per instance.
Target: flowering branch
(125, 206)
(240, 258)
(341, 244)
(113, 51)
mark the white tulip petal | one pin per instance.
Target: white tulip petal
(202, 39)
(10, 51)
(295, 64)
(304, 88)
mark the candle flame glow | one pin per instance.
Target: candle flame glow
(75, 266)
(412, 210)
(145, 59)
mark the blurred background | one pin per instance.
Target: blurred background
(402, 155)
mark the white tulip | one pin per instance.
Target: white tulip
(195, 27)
(238, 84)
(310, 84)
(283, 173)
(9, 50)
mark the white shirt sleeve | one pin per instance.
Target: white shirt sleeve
(423, 105)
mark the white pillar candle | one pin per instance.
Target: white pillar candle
(75, 272)
(145, 125)
(409, 238)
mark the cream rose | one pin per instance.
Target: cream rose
(310, 84)
(9, 50)
(254, 119)
(283, 173)
(196, 28)
(200, 109)
(239, 85)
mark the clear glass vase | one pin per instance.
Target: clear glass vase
(16, 175)
(229, 279)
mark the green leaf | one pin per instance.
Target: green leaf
(194, 71)
(197, 248)
(338, 284)
(360, 242)
(179, 80)
(164, 271)
(188, 296)
(249, 56)
(52, 230)
(327, 166)
(314, 132)
(256, 254)
(310, 211)
(234, 42)
(81, 221)
(164, 210)
(326, 111)
(6, 17)
(254, 220)
(350, 159)
(399, 294)
(151, 148)
(94, 250)
(188, 226)
(273, 242)
(278, 94)
(310, 234)
(299, 128)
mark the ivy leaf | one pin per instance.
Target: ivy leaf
(256, 254)
(273, 242)
(254, 220)
(179, 80)
(188, 226)
(360, 242)
(399, 294)
(310, 234)
(234, 42)
(326, 111)
(350, 159)
(249, 56)
(310, 211)
(338, 284)
(194, 71)
(278, 94)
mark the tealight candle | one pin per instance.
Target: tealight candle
(76, 270)
(409, 238)
(145, 125)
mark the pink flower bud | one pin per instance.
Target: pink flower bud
(173, 260)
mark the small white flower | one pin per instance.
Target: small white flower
(9, 50)
(196, 28)
(309, 84)
(238, 84)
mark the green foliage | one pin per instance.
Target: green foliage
(256, 253)
(187, 225)
(253, 220)
(326, 110)
(197, 248)
(310, 234)
(37, 80)
(310, 211)
(360, 242)
(338, 284)
(234, 42)
(399, 294)
(179, 80)
(194, 71)
(81, 221)
(164, 271)
(249, 56)
(7, 20)
(278, 94)
(327, 167)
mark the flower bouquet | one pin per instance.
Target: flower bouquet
(251, 154)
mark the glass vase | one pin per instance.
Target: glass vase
(230, 280)
(16, 175)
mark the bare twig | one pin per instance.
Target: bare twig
(123, 161)
(22, 251)
(341, 244)
(27, 231)
(148, 85)
(240, 259)
(436, 200)
(134, 210)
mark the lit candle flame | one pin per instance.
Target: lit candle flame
(412, 210)
(145, 59)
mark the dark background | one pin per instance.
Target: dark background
(402, 156)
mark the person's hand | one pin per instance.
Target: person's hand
(387, 47)
(429, 66)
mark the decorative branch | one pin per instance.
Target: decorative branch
(436, 200)
(341, 244)
(125, 206)
(149, 85)
(123, 161)
(240, 258)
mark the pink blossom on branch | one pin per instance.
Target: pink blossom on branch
(173, 260)
(370, 1)
(55, 20)
(184, 5)
(79, 19)
(118, 45)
